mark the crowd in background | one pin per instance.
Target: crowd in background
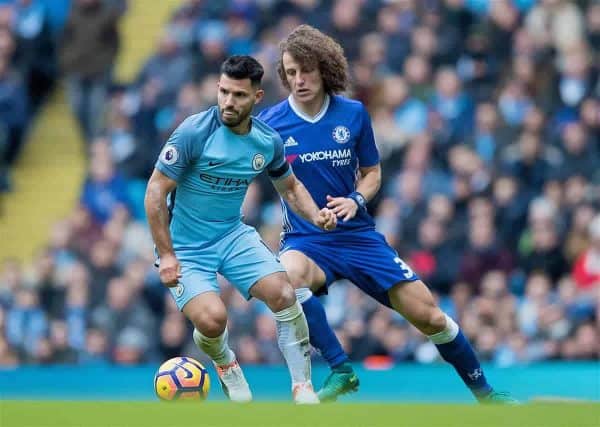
(487, 117)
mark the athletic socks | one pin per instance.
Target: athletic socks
(216, 348)
(292, 337)
(322, 336)
(456, 350)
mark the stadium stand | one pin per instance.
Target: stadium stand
(487, 116)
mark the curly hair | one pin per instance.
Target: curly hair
(311, 49)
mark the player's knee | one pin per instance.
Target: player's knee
(211, 321)
(282, 298)
(298, 277)
(436, 321)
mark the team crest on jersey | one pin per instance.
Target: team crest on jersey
(258, 162)
(179, 290)
(341, 134)
(169, 155)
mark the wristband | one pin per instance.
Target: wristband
(359, 199)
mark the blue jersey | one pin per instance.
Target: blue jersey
(325, 152)
(213, 167)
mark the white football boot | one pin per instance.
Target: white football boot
(304, 394)
(233, 382)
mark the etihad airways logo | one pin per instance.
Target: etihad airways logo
(218, 183)
(338, 157)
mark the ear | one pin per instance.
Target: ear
(258, 96)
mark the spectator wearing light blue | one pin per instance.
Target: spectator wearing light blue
(26, 322)
(104, 190)
(452, 104)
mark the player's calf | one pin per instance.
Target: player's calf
(292, 338)
(292, 329)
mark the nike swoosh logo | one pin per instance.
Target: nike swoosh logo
(215, 163)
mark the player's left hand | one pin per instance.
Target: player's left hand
(326, 219)
(343, 207)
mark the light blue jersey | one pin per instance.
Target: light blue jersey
(213, 167)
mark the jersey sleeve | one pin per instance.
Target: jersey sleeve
(279, 167)
(366, 150)
(180, 149)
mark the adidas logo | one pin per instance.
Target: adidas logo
(290, 142)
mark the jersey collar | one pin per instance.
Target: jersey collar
(306, 117)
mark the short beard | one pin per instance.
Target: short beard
(230, 124)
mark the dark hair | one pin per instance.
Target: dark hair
(241, 67)
(313, 49)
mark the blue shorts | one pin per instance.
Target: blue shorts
(240, 256)
(363, 257)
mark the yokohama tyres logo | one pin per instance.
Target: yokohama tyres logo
(325, 155)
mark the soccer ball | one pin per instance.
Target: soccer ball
(181, 378)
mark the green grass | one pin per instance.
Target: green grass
(149, 414)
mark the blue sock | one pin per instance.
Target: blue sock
(456, 350)
(321, 335)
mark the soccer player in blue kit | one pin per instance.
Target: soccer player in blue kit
(205, 169)
(328, 139)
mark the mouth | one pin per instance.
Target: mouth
(229, 113)
(303, 91)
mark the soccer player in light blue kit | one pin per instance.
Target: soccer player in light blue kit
(205, 169)
(329, 142)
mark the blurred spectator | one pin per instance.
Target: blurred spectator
(59, 339)
(104, 190)
(580, 154)
(87, 52)
(484, 253)
(546, 254)
(96, 347)
(529, 161)
(168, 69)
(173, 335)
(452, 104)
(436, 259)
(13, 117)
(586, 271)
(210, 49)
(26, 322)
(126, 320)
(35, 54)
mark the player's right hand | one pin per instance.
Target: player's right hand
(326, 220)
(169, 270)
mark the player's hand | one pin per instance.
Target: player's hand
(343, 207)
(169, 270)
(326, 219)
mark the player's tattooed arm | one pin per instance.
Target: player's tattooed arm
(155, 203)
(298, 197)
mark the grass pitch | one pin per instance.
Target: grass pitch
(150, 414)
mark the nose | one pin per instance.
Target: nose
(300, 80)
(229, 100)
